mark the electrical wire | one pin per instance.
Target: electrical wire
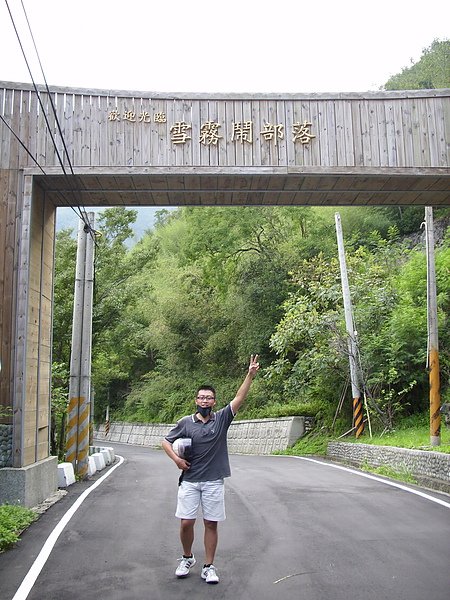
(38, 165)
(82, 213)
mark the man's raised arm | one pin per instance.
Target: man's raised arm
(242, 392)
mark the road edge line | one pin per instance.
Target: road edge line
(36, 568)
(375, 478)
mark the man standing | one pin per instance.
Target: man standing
(203, 470)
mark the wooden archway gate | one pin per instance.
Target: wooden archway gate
(97, 147)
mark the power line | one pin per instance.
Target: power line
(82, 213)
(39, 166)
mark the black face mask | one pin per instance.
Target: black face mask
(204, 410)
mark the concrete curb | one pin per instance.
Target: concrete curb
(430, 469)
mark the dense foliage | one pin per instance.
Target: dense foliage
(432, 71)
(208, 286)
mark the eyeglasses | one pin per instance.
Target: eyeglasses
(205, 397)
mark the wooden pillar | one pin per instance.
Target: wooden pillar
(32, 353)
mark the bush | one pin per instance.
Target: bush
(13, 520)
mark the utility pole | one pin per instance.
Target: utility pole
(355, 379)
(433, 342)
(80, 360)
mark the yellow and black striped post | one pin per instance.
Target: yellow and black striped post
(77, 445)
(107, 424)
(83, 437)
(433, 337)
(72, 432)
(358, 418)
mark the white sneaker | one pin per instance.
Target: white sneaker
(209, 574)
(185, 566)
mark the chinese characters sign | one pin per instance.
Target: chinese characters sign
(241, 132)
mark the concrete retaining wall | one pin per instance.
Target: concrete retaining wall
(257, 436)
(431, 469)
(6, 435)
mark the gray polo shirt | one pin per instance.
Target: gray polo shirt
(209, 444)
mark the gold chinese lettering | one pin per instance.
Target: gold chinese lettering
(242, 132)
(144, 117)
(179, 132)
(273, 132)
(160, 117)
(302, 133)
(209, 133)
(129, 115)
(114, 115)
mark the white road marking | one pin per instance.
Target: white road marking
(375, 478)
(35, 569)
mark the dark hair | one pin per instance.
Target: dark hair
(207, 387)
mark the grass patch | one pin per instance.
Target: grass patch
(412, 433)
(312, 443)
(13, 520)
(387, 471)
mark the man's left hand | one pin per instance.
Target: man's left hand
(254, 365)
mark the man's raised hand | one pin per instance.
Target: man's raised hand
(254, 365)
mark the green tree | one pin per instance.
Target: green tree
(432, 71)
(65, 259)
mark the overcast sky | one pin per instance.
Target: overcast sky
(229, 46)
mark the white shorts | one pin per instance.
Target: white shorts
(210, 495)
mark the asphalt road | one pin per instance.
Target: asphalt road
(296, 529)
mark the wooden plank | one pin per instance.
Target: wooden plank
(53, 142)
(200, 151)
(68, 127)
(366, 151)
(332, 135)
(238, 120)
(259, 148)
(349, 134)
(262, 117)
(357, 128)
(382, 134)
(297, 118)
(391, 141)
(407, 135)
(126, 127)
(416, 135)
(4, 131)
(77, 131)
(24, 131)
(224, 141)
(322, 134)
(424, 135)
(188, 146)
(314, 146)
(443, 123)
(281, 119)
(339, 129)
(432, 132)
(373, 133)
(112, 130)
(14, 151)
(60, 120)
(399, 134)
(290, 148)
(97, 125)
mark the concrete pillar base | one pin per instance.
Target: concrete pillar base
(31, 485)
